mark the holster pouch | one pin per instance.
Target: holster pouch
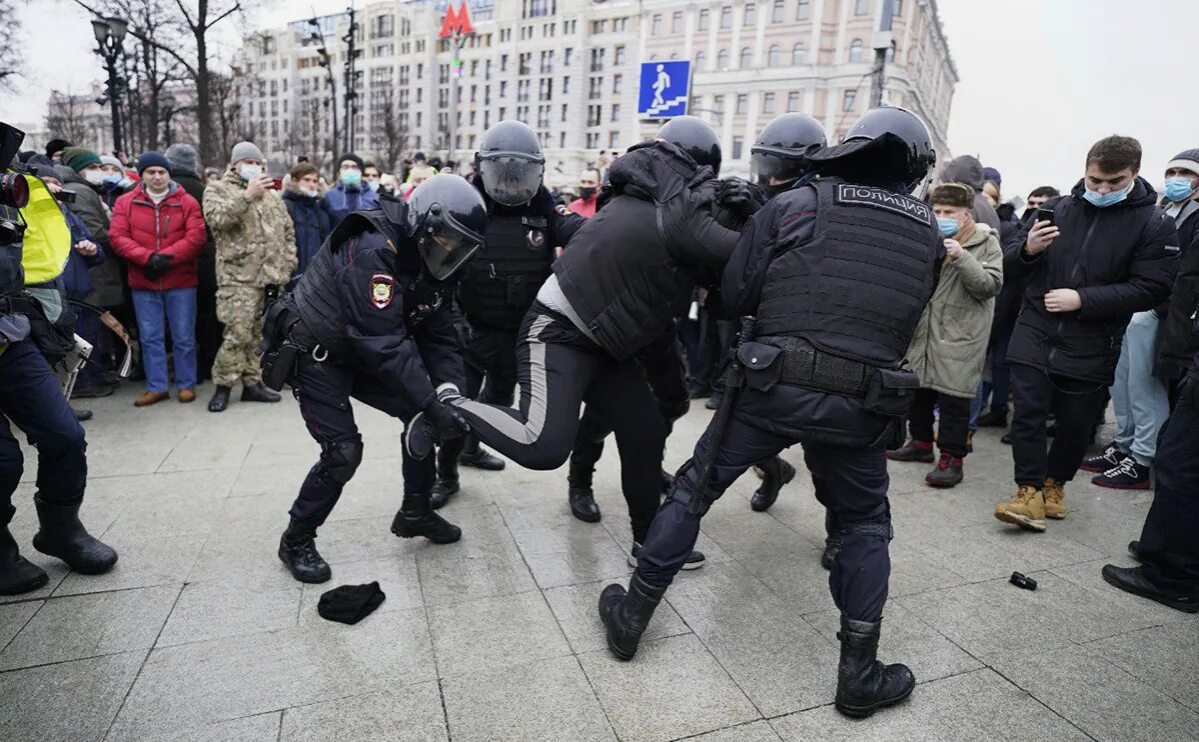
(891, 392)
(761, 364)
(278, 352)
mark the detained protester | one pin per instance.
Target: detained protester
(831, 278)
(370, 320)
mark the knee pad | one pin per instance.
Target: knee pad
(340, 460)
(685, 488)
(876, 523)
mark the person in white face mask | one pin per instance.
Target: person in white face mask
(255, 256)
(309, 214)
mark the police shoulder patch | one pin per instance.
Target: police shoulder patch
(382, 290)
(562, 210)
(878, 198)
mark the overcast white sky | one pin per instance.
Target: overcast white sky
(1041, 80)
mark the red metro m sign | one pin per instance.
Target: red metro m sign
(456, 23)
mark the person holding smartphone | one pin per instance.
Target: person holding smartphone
(1091, 260)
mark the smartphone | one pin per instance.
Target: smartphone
(277, 183)
(1044, 215)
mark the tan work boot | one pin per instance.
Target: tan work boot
(1055, 499)
(1027, 509)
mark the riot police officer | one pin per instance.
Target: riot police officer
(501, 282)
(835, 274)
(370, 319)
(617, 287)
(33, 230)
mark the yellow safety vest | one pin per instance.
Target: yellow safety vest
(47, 240)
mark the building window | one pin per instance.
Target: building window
(700, 58)
(619, 24)
(861, 7)
(742, 103)
(704, 20)
(598, 27)
(595, 87)
(617, 81)
(597, 59)
(792, 102)
(656, 27)
(855, 50)
(503, 63)
(804, 10)
(738, 145)
(564, 110)
(776, 11)
(722, 59)
(747, 57)
(797, 53)
(615, 113)
(594, 114)
(768, 103)
(750, 10)
(772, 57)
(726, 17)
(618, 56)
(676, 22)
(718, 104)
(593, 140)
(503, 88)
(565, 86)
(847, 102)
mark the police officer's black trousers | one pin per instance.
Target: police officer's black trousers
(32, 399)
(558, 369)
(490, 365)
(851, 482)
(324, 391)
(1169, 547)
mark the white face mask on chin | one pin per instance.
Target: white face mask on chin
(95, 177)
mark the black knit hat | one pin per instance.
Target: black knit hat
(152, 159)
(1187, 160)
(352, 158)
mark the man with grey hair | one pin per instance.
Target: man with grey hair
(255, 255)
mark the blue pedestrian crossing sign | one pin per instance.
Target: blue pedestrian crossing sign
(665, 87)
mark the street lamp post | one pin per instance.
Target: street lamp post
(110, 32)
(318, 37)
(166, 102)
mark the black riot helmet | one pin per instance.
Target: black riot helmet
(446, 218)
(694, 136)
(885, 143)
(510, 163)
(782, 147)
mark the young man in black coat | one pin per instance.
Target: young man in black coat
(1109, 252)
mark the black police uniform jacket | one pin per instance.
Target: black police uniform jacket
(631, 269)
(366, 299)
(1121, 259)
(502, 279)
(847, 269)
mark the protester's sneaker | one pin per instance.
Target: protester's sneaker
(1026, 509)
(914, 450)
(695, 559)
(1127, 475)
(948, 472)
(1111, 457)
(1055, 499)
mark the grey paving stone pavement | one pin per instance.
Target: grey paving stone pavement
(200, 634)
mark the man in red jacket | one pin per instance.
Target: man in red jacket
(159, 230)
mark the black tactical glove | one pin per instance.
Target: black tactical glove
(437, 423)
(739, 196)
(446, 422)
(157, 265)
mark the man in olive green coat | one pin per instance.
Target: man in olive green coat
(949, 346)
(255, 249)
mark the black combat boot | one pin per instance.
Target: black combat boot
(832, 540)
(474, 456)
(583, 505)
(864, 684)
(64, 537)
(297, 550)
(626, 614)
(446, 485)
(775, 474)
(220, 399)
(17, 574)
(258, 393)
(416, 518)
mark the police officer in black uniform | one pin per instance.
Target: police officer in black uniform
(628, 272)
(370, 319)
(501, 282)
(836, 273)
(32, 399)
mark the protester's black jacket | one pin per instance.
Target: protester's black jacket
(1121, 259)
(632, 267)
(1178, 342)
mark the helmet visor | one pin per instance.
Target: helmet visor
(511, 180)
(444, 248)
(766, 165)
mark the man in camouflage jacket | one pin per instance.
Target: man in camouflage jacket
(255, 249)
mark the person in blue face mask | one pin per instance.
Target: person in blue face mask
(1108, 253)
(350, 193)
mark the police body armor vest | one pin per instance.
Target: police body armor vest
(857, 289)
(503, 278)
(316, 299)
